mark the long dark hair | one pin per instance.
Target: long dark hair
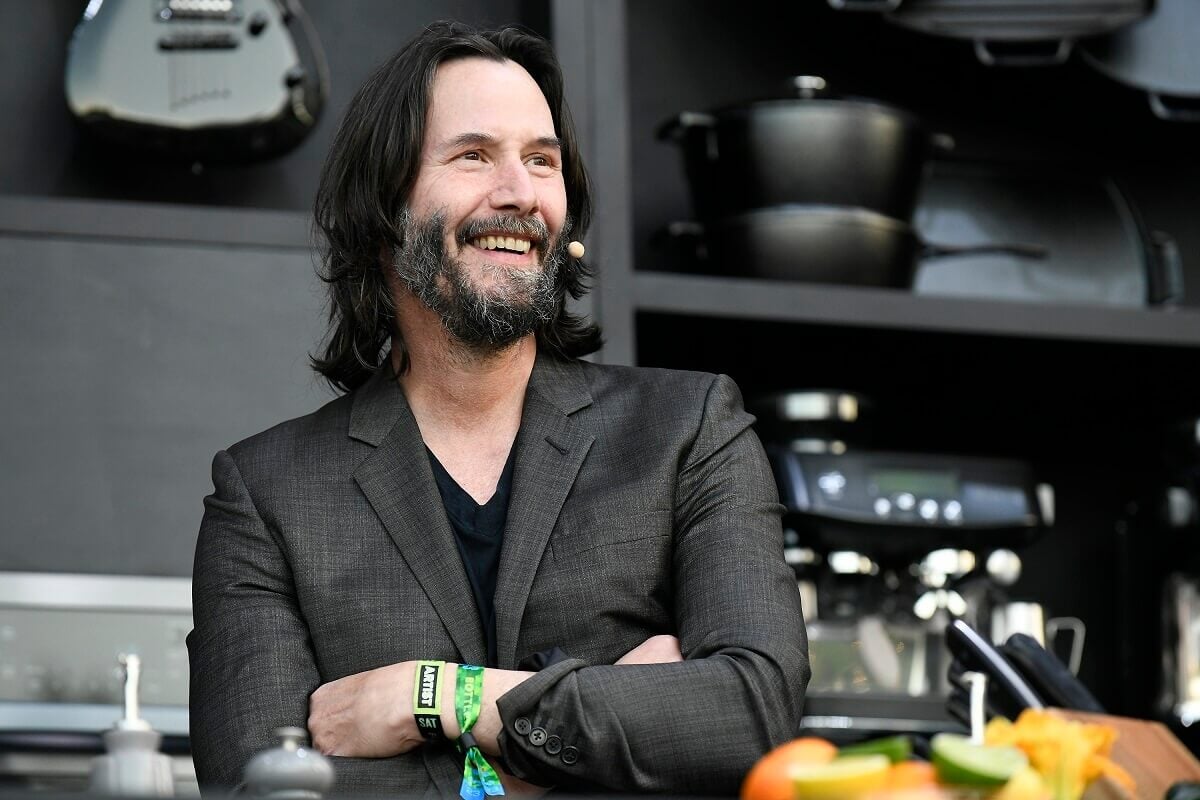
(370, 172)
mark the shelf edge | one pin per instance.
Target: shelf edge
(750, 299)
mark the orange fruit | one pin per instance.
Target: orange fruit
(771, 778)
(920, 793)
(912, 775)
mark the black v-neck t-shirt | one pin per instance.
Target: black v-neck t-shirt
(479, 534)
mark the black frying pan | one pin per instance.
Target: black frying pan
(829, 244)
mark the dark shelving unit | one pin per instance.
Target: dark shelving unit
(1083, 391)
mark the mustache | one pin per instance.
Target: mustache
(528, 227)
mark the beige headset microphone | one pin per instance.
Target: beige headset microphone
(575, 250)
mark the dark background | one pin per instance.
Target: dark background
(134, 350)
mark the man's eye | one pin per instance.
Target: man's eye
(473, 155)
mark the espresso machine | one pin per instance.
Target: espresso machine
(888, 548)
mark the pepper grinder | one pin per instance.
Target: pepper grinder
(133, 765)
(290, 771)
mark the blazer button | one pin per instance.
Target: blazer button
(522, 726)
(537, 737)
(554, 745)
(569, 755)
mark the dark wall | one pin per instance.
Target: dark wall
(142, 326)
(44, 155)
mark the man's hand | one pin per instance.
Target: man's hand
(368, 714)
(662, 649)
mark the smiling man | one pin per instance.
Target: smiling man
(488, 558)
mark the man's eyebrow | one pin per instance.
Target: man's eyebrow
(473, 139)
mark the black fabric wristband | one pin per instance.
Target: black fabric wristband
(427, 699)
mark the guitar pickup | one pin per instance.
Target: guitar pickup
(210, 10)
(197, 40)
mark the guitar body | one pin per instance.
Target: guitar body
(200, 80)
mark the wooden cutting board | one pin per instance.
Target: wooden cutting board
(1147, 750)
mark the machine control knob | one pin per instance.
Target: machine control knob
(883, 507)
(928, 509)
(905, 501)
(952, 511)
(832, 484)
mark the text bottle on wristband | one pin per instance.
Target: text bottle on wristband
(479, 778)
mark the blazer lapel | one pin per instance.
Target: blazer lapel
(398, 481)
(551, 447)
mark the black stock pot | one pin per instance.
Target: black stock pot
(814, 148)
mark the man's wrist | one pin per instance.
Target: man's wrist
(449, 719)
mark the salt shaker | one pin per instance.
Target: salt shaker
(290, 771)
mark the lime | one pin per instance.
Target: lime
(842, 778)
(959, 761)
(896, 748)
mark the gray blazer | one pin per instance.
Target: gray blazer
(642, 503)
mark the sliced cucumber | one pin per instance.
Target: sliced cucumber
(896, 748)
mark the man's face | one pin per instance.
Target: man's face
(486, 221)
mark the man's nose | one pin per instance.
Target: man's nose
(513, 190)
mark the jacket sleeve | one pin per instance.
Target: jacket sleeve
(696, 726)
(252, 667)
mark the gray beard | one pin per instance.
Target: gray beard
(521, 302)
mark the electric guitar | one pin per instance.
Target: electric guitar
(199, 80)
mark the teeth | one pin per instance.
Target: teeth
(506, 242)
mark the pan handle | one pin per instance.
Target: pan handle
(682, 246)
(1173, 108)
(1022, 54)
(676, 128)
(1018, 249)
(865, 5)
(1164, 273)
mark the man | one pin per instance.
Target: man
(605, 540)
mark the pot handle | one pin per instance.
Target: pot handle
(1018, 249)
(1164, 270)
(682, 245)
(677, 127)
(1174, 108)
(808, 86)
(865, 5)
(1024, 54)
